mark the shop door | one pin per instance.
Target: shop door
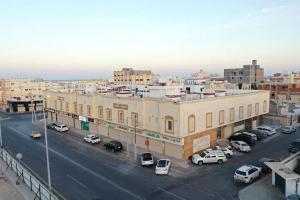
(85, 126)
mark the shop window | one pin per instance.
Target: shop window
(191, 123)
(256, 108)
(121, 116)
(108, 114)
(208, 120)
(221, 117)
(219, 133)
(241, 112)
(231, 114)
(75, 107)
(249, 110)
(80, 109)
(265, 106)
(134, 119)
(169, 124)
(89, 110)
(100, 111)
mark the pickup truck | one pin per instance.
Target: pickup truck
(36, 135)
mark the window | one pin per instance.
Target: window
(208, 120)
(89, 110)
(249, 110)
(241, 112)
(108, 114)
(67, 106)
(121, 116)
(231, 114)
(80, 108)
(75, 107)
(191, 123)
(169, 124)
(256, 108)
(221, 117)
(219, 133)
(265, 106)
(100, 111)
(134, 119)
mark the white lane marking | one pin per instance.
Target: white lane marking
(77, 181)
(171, 193)
(99, 176)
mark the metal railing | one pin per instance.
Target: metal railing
(27, 176)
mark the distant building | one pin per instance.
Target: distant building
(248, 74)
(285, 78)
(129, 76)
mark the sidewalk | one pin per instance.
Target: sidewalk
(261, 190)
(8, 188)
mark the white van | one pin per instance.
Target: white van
(267, 129)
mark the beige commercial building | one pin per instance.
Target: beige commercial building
(16, 95)
(129, 76)
(176, 128)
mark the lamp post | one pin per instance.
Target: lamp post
(46, 142)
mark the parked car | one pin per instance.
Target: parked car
(288, 129)
(147, 159)
(243, 137)
(163, 167)
(51, 126)
(267, 129)
(61, 127)
(252, 135)
(294, 147)
(259, 134)
(216, 156)
(293, 197)
(92, 139)
(113, 145)
(240, 146)
(247, 174)
(263, 166)
(226, 149)
(36, 135)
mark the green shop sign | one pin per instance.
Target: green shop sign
(166, 138)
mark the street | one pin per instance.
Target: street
(82, 171)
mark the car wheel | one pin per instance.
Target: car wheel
(251, 180)
(228, 155)
(220, 162)
(112, 150)
(200, 163)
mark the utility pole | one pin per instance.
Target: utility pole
(135, 150)
(46, 143)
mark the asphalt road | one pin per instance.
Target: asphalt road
(82, 171)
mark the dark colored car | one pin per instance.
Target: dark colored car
(113, 146)
(259, 134)
(294, 147)
(51, 126)
(264, 167)
(243, 137)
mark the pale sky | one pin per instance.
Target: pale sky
(65, 39)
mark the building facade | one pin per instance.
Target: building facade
(173, 128)
(129, 76)
(249, 74)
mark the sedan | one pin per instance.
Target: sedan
(113, 146)
(163, 167)
(288, 129)
(51, 126)
(91, 139)
(240, 146)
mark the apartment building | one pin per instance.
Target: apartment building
(251, 73)
(176, 127)
(17, 95)
(129, 76)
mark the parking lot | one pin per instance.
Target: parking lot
(84, 171)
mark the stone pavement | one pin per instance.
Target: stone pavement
(261, 190)
(8, 188)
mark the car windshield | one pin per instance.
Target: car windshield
(240, 172)
(147, 156)
(202, 154)
(94, 137)
(64, 126)
(162, 163)
(244, 144)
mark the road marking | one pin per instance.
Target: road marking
(77, 181)
(99, 176)
(171, 193)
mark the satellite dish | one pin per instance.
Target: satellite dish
(19, 156)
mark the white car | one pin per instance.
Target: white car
(210, 156)
(226, 149)
(247, 173)
(147, 159)
(61, 127)
(240, 146)
(92, 139)
(163, 167)
(267, 129)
